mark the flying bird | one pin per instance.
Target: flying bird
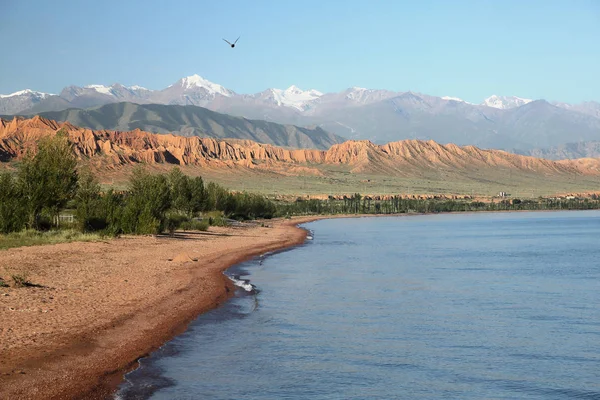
(232, 44)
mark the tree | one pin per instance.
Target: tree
(112, 210)
(48, 179)
(187, 194)
(217, 197)
(181, 193)
(87, 200)
(148, 200)
(11, 207)
(199, 199)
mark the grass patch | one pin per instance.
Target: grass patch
(22, 281)
(3, 284)
(35, 238)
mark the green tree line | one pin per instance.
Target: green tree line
(49, 181)
(357, 204)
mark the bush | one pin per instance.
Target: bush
(217, 221)
(147, 224)
(146, 204)
(195, 225)
(175, 221)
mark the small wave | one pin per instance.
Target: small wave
(243, 283)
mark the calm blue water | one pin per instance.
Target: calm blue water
(465, 306)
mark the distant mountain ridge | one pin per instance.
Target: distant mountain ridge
(567, 151)
(500, 122)
(112, 149)
(193, 121)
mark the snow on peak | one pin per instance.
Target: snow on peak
(362, 95)
(100, 89)
(295, 97)
(196, 81)
(448, 98)
(293, 89)
(357, 93)
(505, 102)
(452, 98)
(136, 87)
(26, 92)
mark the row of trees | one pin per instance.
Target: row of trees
(356, 204)
(49, 181)
(154, 203)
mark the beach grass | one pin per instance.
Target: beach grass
(31, 237)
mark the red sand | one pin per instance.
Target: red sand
(105, 304)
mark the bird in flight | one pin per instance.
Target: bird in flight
(232, 44)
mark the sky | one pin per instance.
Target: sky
(546, 49)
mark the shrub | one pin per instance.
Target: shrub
(217, 220)
(195, 225)
(175, 221)
(147, 224)
(148, 200)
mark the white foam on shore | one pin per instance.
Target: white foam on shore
(248, 287)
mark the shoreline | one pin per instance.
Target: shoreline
(88, 358)
(66, 341)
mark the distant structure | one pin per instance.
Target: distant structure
(232, 44)
(503, 194)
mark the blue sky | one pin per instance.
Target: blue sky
(468, 49)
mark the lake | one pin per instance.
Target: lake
(466, 306)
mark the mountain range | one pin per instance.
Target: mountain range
(500, 122)
(114, 148)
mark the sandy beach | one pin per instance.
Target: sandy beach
(105, 304)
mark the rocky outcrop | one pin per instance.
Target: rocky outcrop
(111, 149)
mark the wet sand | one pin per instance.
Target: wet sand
(105, 304)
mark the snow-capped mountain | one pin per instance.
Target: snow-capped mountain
(100, 89)
(17, 101)
(293, 97)
(117, 91)
(505, 102)
(26, 92)
(196, 82)
(365, 96)
(95, 95)
(191, 90)
(503, 122)
(453, 99)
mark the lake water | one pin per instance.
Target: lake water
(462, 306)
